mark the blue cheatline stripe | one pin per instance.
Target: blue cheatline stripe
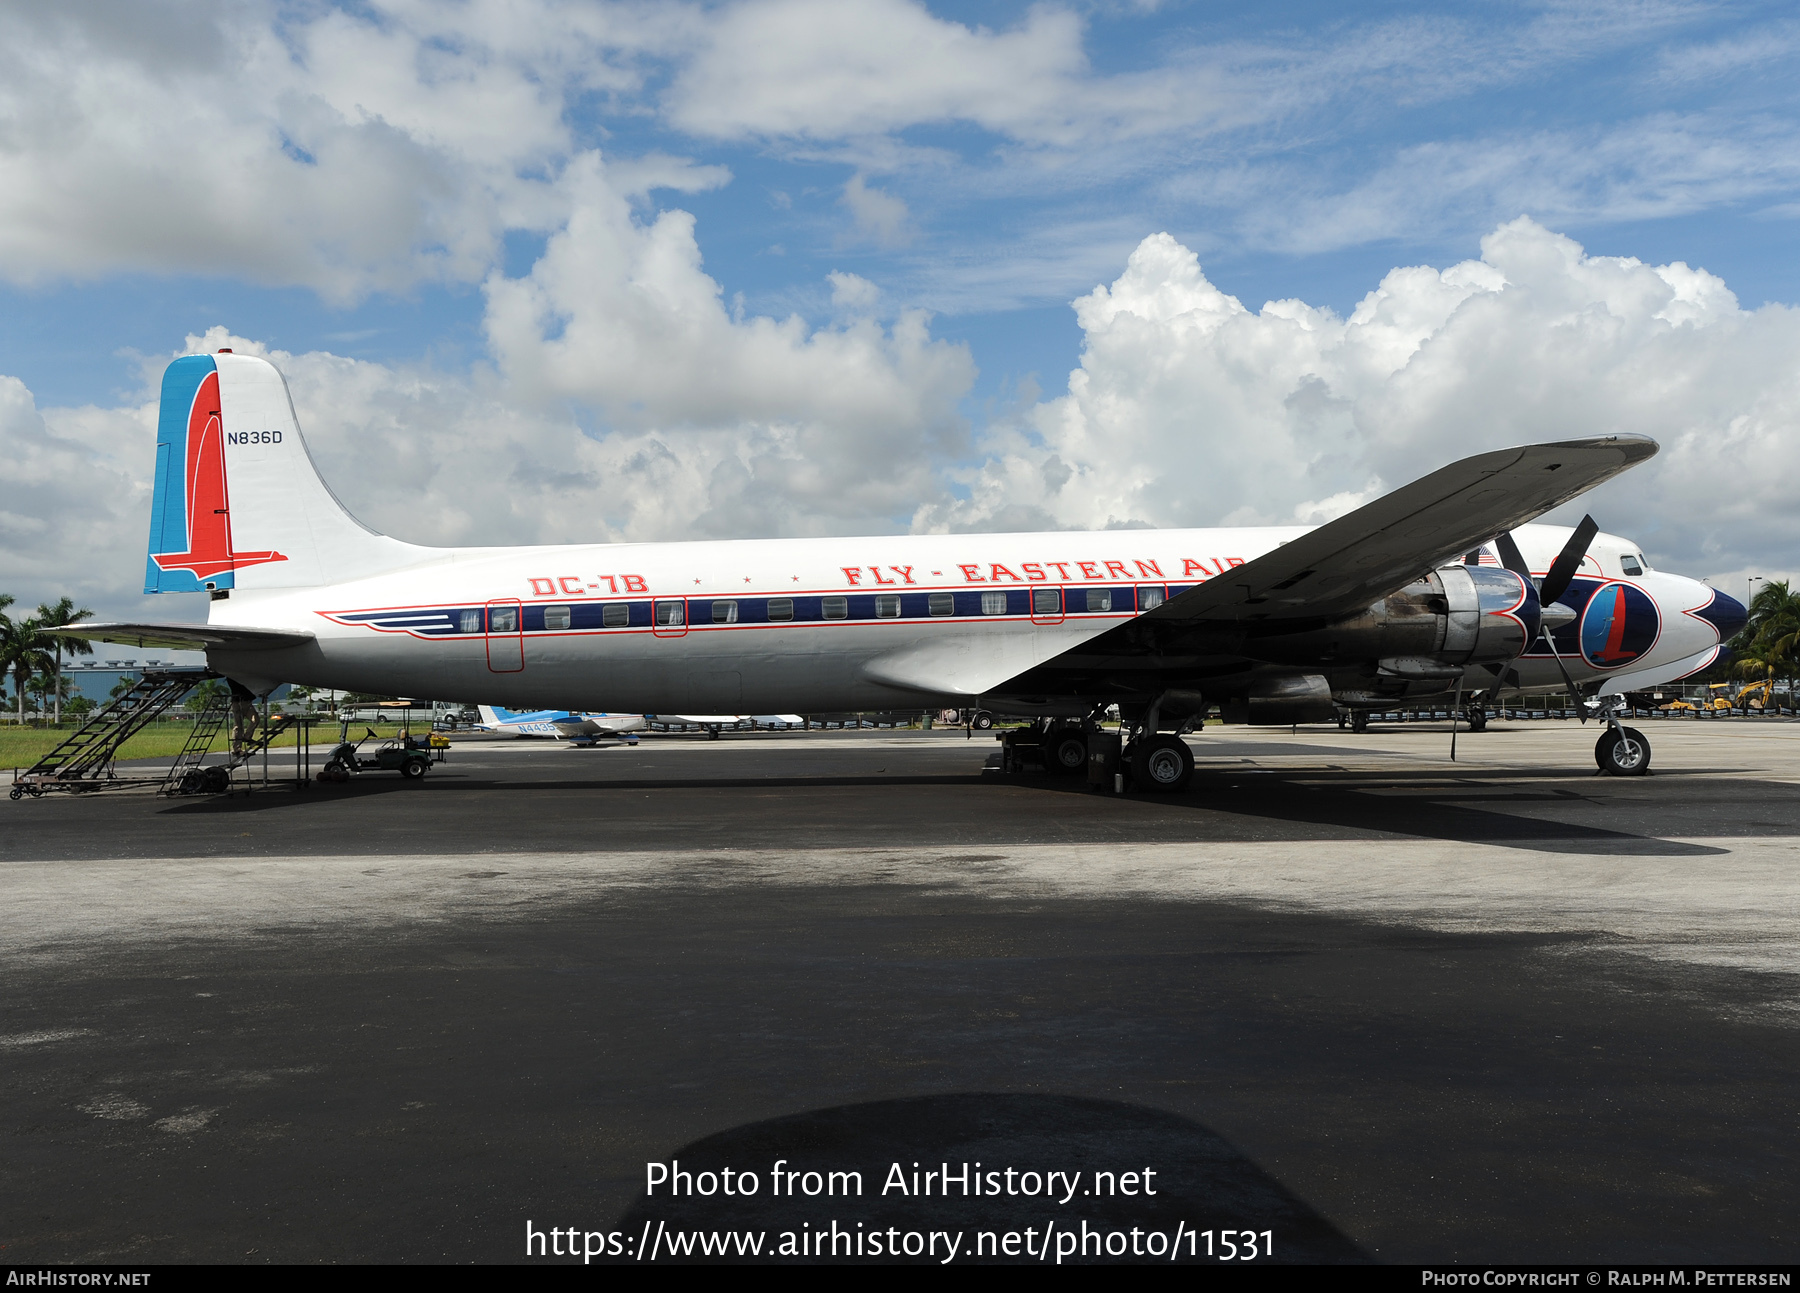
(800, 609)
(168, 505)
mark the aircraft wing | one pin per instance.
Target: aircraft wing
(187, 637)
(1345, 564)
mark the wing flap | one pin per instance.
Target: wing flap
(187, 637)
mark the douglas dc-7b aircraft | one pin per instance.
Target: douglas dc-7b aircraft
(1427, 592)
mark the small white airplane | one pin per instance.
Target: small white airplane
(563, 724)
(1431, 592)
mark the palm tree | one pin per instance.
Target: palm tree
(1770, 642)
(202, 696)
(6, 628)
(22, 653)
(56, 616)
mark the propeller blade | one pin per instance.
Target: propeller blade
(1568, 561)
(1455, 709)
(1580, 709)
(1510, 556)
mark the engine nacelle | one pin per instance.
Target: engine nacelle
(1455, 616)
(1492, 614)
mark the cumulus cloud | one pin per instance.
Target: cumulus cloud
(1190, 409)
(345, 152)
(880, 216)
(621, 317)
(75, 509)
(852, 291)
(837, 68)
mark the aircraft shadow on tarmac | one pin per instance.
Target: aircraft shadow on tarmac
(1425, 806)
(1426, 811)
(1202, 1181)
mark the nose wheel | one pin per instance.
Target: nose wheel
(1622, 752)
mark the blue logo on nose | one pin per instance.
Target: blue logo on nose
(1619, 624)
(1726, 614)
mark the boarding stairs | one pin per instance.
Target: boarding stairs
(189, 775)
(84, 762)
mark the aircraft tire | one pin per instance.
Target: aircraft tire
(1478, 720)
(1161, 764)
(1628, 756)
(983, 721)
(1065, 751)
(1359, 720)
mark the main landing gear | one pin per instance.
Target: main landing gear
(1066, 750)
(1161, 763)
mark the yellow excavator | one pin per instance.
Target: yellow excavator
(1753, 696)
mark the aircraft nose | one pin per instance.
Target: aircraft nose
(1725, 613)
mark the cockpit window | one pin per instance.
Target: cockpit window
(1629, 564)
(1643, 561)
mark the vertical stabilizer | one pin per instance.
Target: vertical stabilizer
(238, 501)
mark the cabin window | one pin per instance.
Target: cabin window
(943, 603)
(993, 603)
(1099, 599)
(503, 619)
(669, 614)
(556, 617)
(835, 608)
(471, 621)
(781, 608)
(887, 606)
(724, 612)
(1629, 564)
(1150, 598)
(616, 615)
(1046, 601)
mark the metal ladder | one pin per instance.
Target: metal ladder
(186, 776)
(85, 760)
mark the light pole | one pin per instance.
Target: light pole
(1750, 589)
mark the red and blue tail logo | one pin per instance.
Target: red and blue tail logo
(190, 515)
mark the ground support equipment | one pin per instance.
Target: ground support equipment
(84, 762)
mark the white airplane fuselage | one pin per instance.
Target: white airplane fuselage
(811, 624)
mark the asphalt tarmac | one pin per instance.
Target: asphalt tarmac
(1343, 992)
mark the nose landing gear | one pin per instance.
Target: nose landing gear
(1622, 751)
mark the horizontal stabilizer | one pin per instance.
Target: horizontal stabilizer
(186, 637)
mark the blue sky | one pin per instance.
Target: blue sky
(365, 182)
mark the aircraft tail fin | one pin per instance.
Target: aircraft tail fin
(493, 716)
(238, 501)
